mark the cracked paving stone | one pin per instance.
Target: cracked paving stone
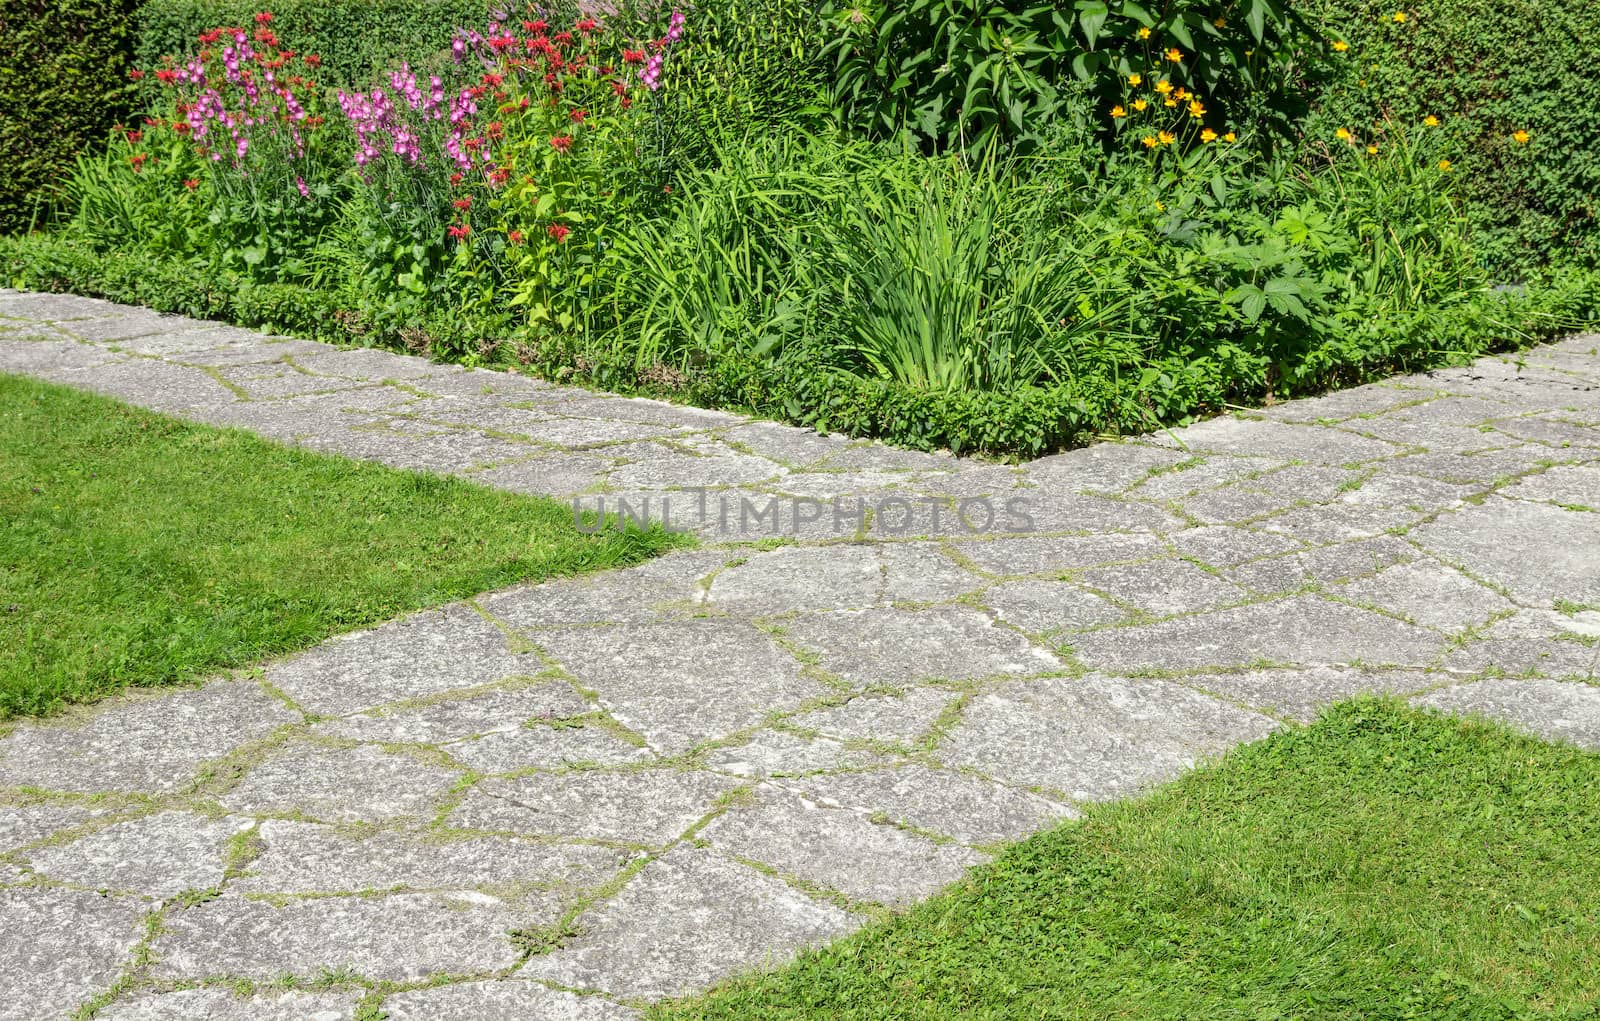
(1045, 554)
(116, 328)
(1537, 552)
(688, 919)
(902, 646)
(24, 824)
(147, 743)
(1302, 630)
(1344, 404)
(1323, 565)
(668, 469)
(880, 455)
(508, 1000)
(1339, 522)
(307, 858)
(399, 938)
(1042, 606)
(545, 747)
(341, 785)
(1051, 510)
(1532, 641)
(916, 572)
(983, 480)
(684, 683)
(160, 386)
(1101, 468)
(554, 475)
(1095, 737)
(158, 856)
(268, 382)
(1223, 546)
(640, 806)
(56, 308)
(371, 363)
(902, 719)
(1163, 587)
(838, 849)
(451, 719)
(1264, 438)
(424, 654)
(1196, 474)
(1302, 694)
(52, 359)
(782, 753)
(448, 451)
(592, 433)
(60, 947)
(1570, 486)
(1480, 469)
(785, 444)
(825, 485)
(793, 578)
(1546, 429)
(1408, 491)
(645, 593)
(971, 810)
(1552, 710)
(215, 1004)
(1243, 501)
(1428, 593)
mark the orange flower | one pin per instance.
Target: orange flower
(1197, 109)
(1521, 137)
(1175, 55)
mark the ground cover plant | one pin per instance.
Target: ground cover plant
(139, 550)
(1381, 863)
(978, 226)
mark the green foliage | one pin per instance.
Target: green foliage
(355, 39)
(957, 73)
(1486, 71)
(139, 550)
(1382, 863)
(63, 84)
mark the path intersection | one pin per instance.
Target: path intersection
(569, 800)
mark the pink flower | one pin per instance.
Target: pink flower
(559, 231)
(561, 143)
(458, 231)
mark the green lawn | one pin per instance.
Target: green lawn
(1383, 863)
(139, 550)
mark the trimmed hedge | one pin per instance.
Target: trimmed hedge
(356, 39)
(63, 85)
(1028, 422)
(1487, 70)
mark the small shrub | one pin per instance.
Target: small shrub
(63, 84)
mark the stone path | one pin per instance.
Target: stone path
(571, 799)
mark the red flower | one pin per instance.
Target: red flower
(136, 74)
(515, 237)
(492, 79)
(562, 38)
(578, 116)
(166, 76)
(559, 231)
(181, 127)
(465, 202)
(561, 143)
(135, 136)
(207, 38)
(312, 60)
(619, 86)
(633, 56)
(191, 183)
(455, 179)
(264, 18)
(627, 101)
(458, 231)
(587, 25)
(500, 43)
(137, 159)
(536, 27)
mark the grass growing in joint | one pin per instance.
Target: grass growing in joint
(139, 550)
(1382, 863)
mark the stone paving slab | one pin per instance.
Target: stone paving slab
(570, 799)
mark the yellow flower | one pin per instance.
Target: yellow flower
(1343, 135)
(1339, 46)
(1163, 86)
(1521, 137)
(1180, 93)
(1167, 138)
(1140, 104)
(1161, 207)
(1196, 108)
(1117, 111)
(1144, 33)
(1135, 79)
(1175, 55)
(1399, 17)
(1431, 121)
(1372, 150)
(1444, 165)
(1172, 101)
(1230, 137)
(1208, 135)
(1221, 22)
(1149, 141)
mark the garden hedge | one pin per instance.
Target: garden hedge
(1488, 70)
(354, 38)
(63, 84)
